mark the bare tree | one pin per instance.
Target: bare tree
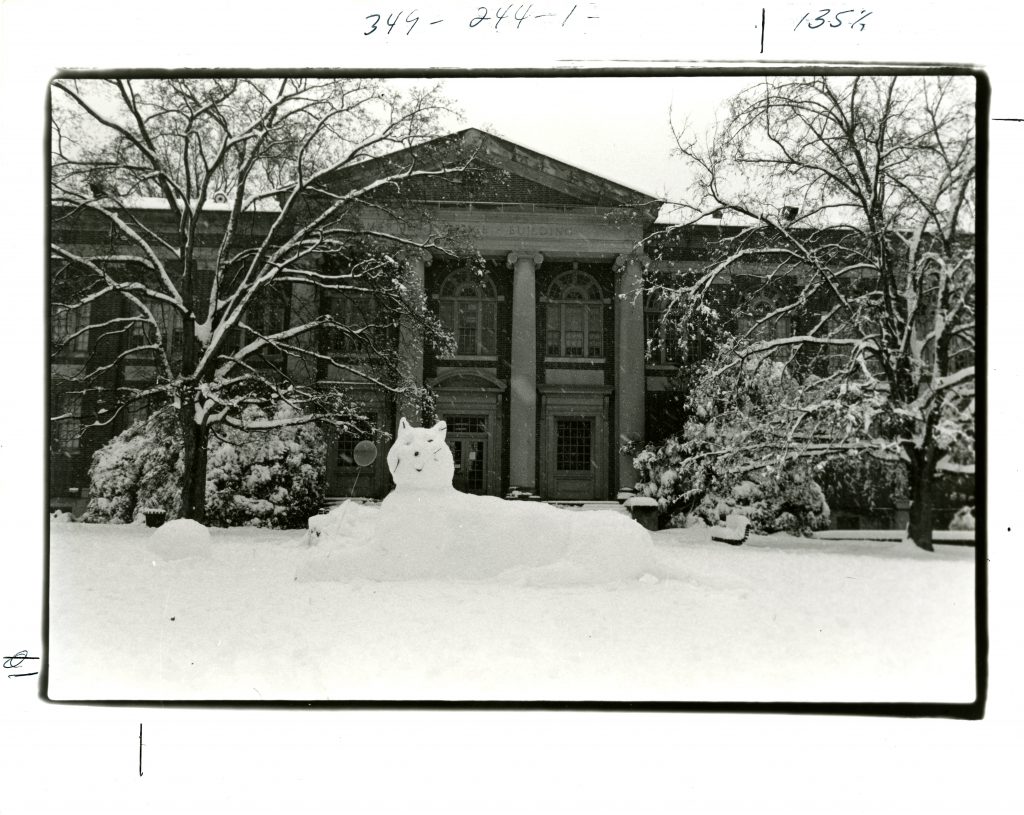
(844, 259)
(189, 215)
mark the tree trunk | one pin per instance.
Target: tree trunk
(193, 481)
(922, 476)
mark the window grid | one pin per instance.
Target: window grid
(171, 325)
(667, 339)
(355, 311)
(468, 456)
(780, 327)
(64, 323)
(467, 307)
(575, 317)
(573, 444)
(466, 424)
(66, 434)
(266, 314)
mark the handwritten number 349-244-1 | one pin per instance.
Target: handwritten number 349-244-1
(837, 20)
(412, 18)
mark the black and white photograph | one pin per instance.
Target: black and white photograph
(452, 388)
(548, 407)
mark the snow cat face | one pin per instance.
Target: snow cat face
(420, 458)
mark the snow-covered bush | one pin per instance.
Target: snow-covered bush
(138, 469)
(861, 484)
(689, 490)
(270, 478)
(716, 465)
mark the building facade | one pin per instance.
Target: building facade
(550, 374)
(547, 378)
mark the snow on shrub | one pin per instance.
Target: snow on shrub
(733, 454)
(136, 470)
(689, 490)
(271, 478)
(694, 482)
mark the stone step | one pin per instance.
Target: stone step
(612, 506)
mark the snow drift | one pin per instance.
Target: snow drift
(426, 529)
(180, 538)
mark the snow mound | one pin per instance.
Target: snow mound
(427, 530)
(350, 519)
(59, 516)
(181, 538)
(450, 535)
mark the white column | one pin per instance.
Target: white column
(523, 385)
(629, 361)
(410, 336)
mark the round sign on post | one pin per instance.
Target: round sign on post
(365, 453)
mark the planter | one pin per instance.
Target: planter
(155, 517)
(644, 511)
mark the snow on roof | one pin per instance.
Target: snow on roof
(209, 205)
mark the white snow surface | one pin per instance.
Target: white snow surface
(777, 619)
(180, 538)
(425, 529)
(447, 535)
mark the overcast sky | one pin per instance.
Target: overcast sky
(615, 127)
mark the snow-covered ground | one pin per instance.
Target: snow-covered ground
(778, 619)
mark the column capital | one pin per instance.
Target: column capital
(636, 256)
(515, 257)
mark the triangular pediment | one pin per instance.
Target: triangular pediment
(486, 169)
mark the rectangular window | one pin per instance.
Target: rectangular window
(667, 339)
(573, 444)
(594, 331)
(170, 323)
(554, 331)
(468, 324)
(266, 314)
(572, 322)
(446, 313)
(488, 328)
(473, 322)
(65, 433)
(358, 315)
(65, 325)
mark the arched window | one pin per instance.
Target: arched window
(468, 307)
(575, 317)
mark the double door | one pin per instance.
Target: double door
(469, 441)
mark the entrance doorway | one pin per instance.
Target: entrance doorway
(574, 443)
(468, 439)
(574, 457)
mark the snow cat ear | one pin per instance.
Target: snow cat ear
(403, 425)
(440, 428)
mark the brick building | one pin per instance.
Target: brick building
(551, 370)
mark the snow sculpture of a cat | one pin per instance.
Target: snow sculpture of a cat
(427, 529)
